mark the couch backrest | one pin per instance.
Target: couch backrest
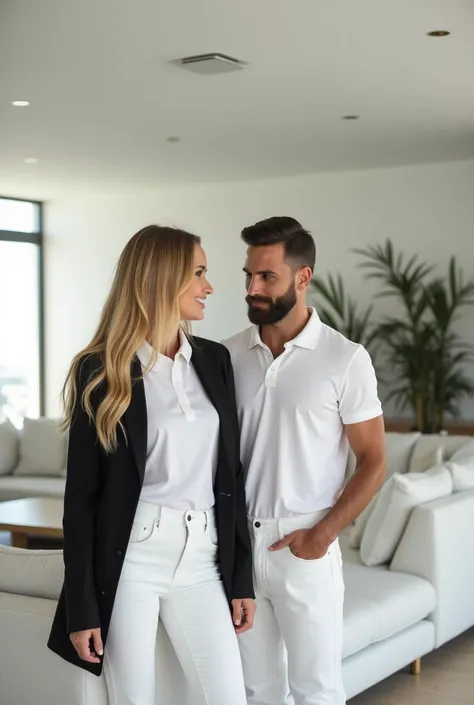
(31, 573)
(405, 450)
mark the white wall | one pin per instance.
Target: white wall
(426, 209)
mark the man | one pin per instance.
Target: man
(304, 393)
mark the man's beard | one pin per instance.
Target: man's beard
(276, 309)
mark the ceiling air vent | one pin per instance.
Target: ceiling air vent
(210, 64)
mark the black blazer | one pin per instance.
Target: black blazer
(102, 492)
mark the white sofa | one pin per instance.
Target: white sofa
(394, 613)
(32, 460)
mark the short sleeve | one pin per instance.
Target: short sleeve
(358, 399)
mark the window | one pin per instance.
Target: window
(21, 310)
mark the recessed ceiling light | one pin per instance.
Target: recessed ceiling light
(21, 103)
(173, 139)
(350, 117)
(31, 160)
(438, 33)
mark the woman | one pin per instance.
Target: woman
(154, 512)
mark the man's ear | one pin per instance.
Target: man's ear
(303, 278)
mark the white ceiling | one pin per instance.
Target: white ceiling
(104, 95)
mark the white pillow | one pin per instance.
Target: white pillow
(42, 448)
(464, 454)
(424, 459)
(462, 475)
(399, 450)
(9, 444)
(358, 527)
(394, 505)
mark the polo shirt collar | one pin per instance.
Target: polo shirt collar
(307, 338)
(145, 351)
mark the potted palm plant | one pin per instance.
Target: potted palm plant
(421, 348)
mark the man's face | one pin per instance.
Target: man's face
(270, 284)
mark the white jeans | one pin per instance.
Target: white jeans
(295, 645)
(170, 573)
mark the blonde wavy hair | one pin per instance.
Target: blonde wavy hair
(153, 271)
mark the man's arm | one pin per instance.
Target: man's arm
(367, 440)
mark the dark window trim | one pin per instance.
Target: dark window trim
(35, 239)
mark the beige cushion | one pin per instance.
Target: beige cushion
(399, 449)
(427, 455)
(42, 448)
(379, 603)
(13, 487)
(31, 573)
(462, 475)
(394, 505)
(9, 444)
(464, 454)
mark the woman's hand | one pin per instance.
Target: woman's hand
(88, 644)
(243, 613)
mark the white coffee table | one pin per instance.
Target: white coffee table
(35, 516)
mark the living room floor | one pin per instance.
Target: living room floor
(446, 678)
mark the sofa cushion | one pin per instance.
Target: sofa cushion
(400, 447)
(31, 573)
(394, 505)
(426, 458)
(379, 603)
(430, 441)
(9, 444)
(462, 475)
(42, 448)
(12, 487)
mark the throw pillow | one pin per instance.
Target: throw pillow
(399, 496)
(427, 454)
(9, 443)
(42, 448)
(399, 450)
(462, 475)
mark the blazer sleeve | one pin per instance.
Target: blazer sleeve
(81, 503)
(242, 585)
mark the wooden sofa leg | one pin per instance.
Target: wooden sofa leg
(415, 667)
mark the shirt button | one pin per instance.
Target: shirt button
(257, 525)
(189, 517)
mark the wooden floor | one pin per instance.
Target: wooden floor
(446, 678)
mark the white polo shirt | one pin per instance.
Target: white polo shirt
(183, 433)
(292, 411)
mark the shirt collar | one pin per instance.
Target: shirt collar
(307, 338)
(145, 351)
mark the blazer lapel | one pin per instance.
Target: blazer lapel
(136, 418)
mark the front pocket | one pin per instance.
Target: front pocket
(212, 535)
(307, 560)
(142, 531)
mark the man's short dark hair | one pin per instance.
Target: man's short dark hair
(300, 250)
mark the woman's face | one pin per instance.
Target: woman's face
(191, 302)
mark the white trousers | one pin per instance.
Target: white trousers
(294, 652)
(170, 573)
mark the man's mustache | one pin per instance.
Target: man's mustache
(258, 299)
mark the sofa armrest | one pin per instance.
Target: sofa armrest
(438, 545)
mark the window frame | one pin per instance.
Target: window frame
(35, 239)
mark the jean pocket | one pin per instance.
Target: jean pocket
(309, 561)
(142, 531)
(212, 535)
